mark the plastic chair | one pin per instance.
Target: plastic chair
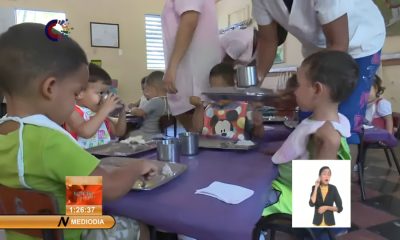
(167, 121)
(15, 201)
(282, 222)
(377, 138)
(3, 108)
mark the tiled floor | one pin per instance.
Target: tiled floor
(379, 216)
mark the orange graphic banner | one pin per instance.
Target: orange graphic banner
(55, 222)
(84, 195)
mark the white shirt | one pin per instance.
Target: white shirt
(295, 146)
(238, 44)
(366, 24)
(143, 101)
(378, 109)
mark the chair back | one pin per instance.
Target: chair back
(166, 121)
(15, 201)
(396, 124)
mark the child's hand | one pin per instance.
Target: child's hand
(147, 169)
(110, 103)
(195, 101)
(257, 118)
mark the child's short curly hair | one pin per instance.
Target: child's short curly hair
(27, 55)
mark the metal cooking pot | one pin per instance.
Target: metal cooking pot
(246, 76)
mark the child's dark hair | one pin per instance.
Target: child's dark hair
(324, 168)
(96, 74)
(380, 89)
(226, 71)
(143, 81)
(335, 69)
(291, 83)
(27, 55)
(155, 78)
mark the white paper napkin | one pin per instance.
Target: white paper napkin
(228, 193)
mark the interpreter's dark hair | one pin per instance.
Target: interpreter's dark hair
(335, 69)
(378, 83)
(324, 168)
(155, 79)
(28, 55)
(226, 71)
(96, 73)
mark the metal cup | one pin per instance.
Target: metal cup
(117, 110)
(246, 76)
(189, 143)
(168, 150)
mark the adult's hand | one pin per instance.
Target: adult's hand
(169, 81)
(317, 183)
(322, 209)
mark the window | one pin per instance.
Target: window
(154, 42)
(42, 17)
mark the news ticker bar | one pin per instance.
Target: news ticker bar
(55, 222)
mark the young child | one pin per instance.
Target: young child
(89, 123)
(324, 80)
(379, 110)
(143, 99)
(226, 118)
(40, 79)
(154, 108)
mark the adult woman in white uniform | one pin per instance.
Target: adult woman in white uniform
(355, 26)
(191, 48)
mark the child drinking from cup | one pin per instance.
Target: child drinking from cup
(90, 123)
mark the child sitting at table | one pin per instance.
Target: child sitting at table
(154, 108)
(379, 110)
(90, 123)
(324, 80)
(226, 118)
(143, 99)
(40, 79)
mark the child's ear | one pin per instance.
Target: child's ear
(319, 88)
(48, 88)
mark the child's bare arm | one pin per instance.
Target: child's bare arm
(258, 129)
(118, 128)
(138, 112)
(118, 180)
(198, 115)
(389, 123)
(327, 142)
(85, 129)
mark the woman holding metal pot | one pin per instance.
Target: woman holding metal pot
(356, 27)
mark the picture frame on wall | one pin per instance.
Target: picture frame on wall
(104, 35)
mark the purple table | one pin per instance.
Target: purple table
(276, 132)
(175, 208)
